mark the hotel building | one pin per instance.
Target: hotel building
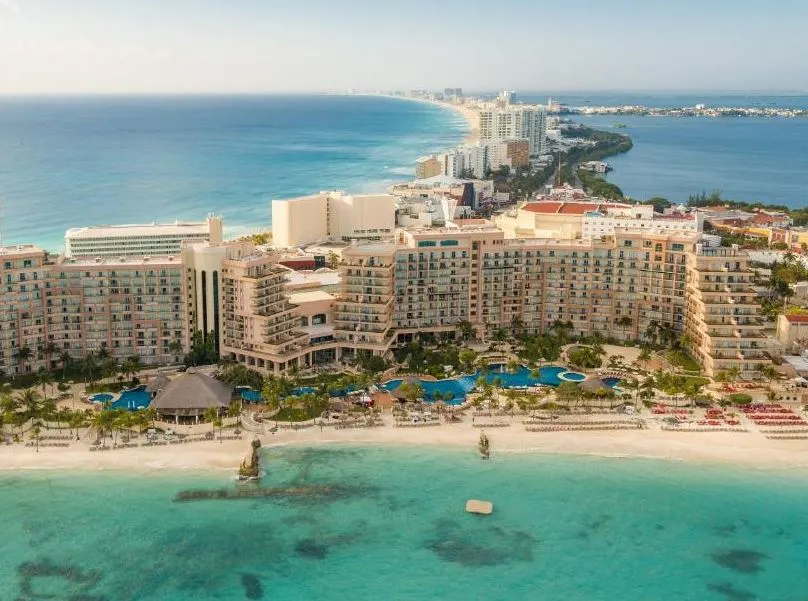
(132, 306)
(618, 285)
(332, 217)
(515, 123)
(139, 240)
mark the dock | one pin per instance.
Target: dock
(479, 507)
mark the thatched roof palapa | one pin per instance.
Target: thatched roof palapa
(158, 383)
(594, 385)
(191, 394)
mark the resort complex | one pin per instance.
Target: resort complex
(457, 295)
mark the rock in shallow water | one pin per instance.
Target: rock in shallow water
(252, 586)
(740, 560)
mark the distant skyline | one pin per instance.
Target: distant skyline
(269, 46)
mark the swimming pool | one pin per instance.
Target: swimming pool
(251, 396)
(612, 382)
(133, 399)
(460, 386)
(571, 376)
(102, 397)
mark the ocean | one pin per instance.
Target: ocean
(389, 523)
(750, 159)
(75, 161)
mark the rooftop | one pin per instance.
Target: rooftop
(797, 318)
(570, 208)
(178, 228)
(119, 261)
(19, 249)
(299, 298)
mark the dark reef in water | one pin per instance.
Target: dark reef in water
(740, 560)
(480, 546)
(308, 547)
(77, 583)
(252, 586)
(731, 593)
(593, 526)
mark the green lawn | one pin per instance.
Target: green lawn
(682, 359)
(291, 414)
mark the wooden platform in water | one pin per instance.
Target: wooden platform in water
(479, 507)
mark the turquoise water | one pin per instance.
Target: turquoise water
(164, 158)
(577, 529)
(102, 397)
(460, 386)
(746, 158)
(133, 399)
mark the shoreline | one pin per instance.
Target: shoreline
(470, 115)
(749, 450)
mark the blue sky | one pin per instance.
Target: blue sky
(188, 46)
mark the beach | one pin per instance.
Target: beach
(742, 449)
(471, 115)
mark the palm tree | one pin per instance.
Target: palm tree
(211, 415)
(89, 367)
(645, 356)
(31, 402)
(50, 349)
(652, 331)
(102, 423)
(733, 373)
(76, 421)
(22, 355)
(44, 378)
(624, 322)
(35, 434)
(65, 359)
(175, 347)
(465, 329)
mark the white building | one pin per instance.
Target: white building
(472, 157)
(599, 223)
(153, 239)
(332, 217)
(515, 123)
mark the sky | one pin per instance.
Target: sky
(255, 46)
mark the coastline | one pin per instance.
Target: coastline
(470, 115)
(741, 450)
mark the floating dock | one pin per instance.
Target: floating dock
(479, 507)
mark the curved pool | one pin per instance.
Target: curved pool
(460, 386)
(102, 397)
(571, 376)
(133, 399)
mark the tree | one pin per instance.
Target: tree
(332, 260)
(644, 357)
(35, 434)
(733, 373)
(21, 355)
(585, 357)
(50, 349)
(89, 367)
(652, 331)
(467, 357)
(624, 322)
(203, 350)
(568, 392)
(465, 329)
(31, 403)
(44, 378)
(65, 359)
(175, 347)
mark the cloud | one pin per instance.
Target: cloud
(10, 6)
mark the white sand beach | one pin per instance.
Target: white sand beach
(748, 449)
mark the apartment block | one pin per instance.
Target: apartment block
(126, 306)
(619, 285)
(260, 326)
(515, 123)
(428, 166)
(364, 309)
(723, 326)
